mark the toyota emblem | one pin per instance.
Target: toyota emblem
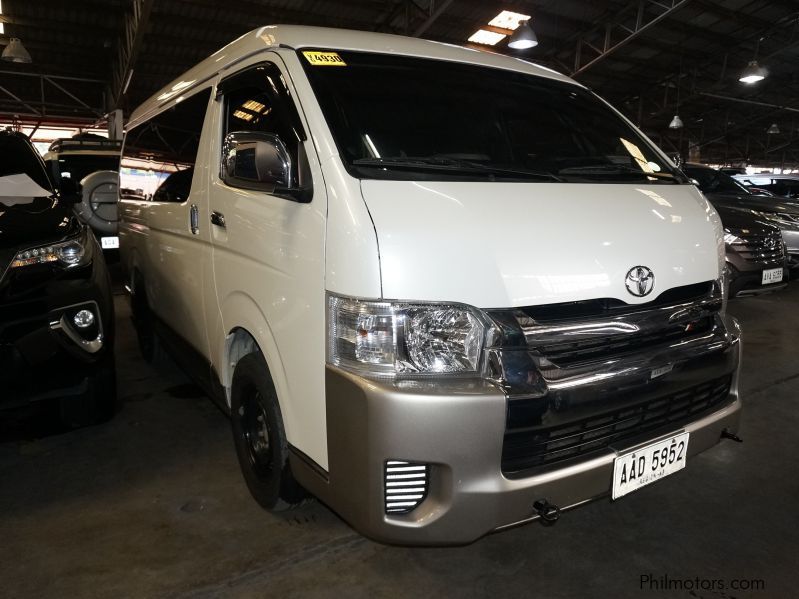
(640, 281)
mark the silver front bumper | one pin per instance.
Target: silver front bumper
(458, 427)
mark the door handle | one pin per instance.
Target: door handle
(194, 219)
(218, 219)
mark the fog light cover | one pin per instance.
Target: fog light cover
(83, 319)
(406, 485)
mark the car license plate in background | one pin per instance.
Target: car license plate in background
(772, 275)
(646, 465)
(109, 243)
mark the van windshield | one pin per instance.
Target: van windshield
(406, 118)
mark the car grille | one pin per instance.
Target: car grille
(599, 348)
(535, 446)
(767, 249)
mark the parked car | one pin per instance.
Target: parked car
(786, 186)
(723, 190)
(86, 170)
(444, 291)
(757, 261)
(56, 310)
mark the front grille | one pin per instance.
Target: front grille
(406, 485)
(534, 446)
(611, 307)
(577, 351)
(766, 248)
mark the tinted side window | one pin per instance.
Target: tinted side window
(159, 155)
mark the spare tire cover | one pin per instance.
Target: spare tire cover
(98, 205)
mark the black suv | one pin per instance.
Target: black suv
(56, 305)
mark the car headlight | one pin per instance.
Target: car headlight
(731, 238)
(780, 218)
(67, 253)
(391, 338)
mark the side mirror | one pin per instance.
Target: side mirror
(255, 160)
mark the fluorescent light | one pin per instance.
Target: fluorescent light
(253, 105)
(244, 116)
(508, 20)
(488, 38)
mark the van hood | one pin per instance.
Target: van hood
(508, 244)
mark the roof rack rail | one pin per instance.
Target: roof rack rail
(95, 143)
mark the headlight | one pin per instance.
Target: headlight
(68, 253)
(731, 238)
(780, 218)
(389, 338)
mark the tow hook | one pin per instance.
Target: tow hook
(725, 434)
(548, 513)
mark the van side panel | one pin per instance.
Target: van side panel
(269, 269)
(352, 262)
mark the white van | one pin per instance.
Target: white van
(445, 291)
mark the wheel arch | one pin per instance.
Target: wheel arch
(247, 330)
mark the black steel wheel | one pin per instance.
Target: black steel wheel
(260, 438)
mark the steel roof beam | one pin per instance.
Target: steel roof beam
(128, 50)
(632, 21)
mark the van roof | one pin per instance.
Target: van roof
(298, 36)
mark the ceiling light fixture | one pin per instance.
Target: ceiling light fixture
(523, 38)
(508, 20)
(773, 129)
(676, 122)
(487, 38)
(16, 52)
(753, 72)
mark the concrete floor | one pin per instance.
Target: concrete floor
(152, 504)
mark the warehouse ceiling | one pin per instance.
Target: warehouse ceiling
(650, 58)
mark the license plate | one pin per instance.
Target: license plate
(646, 465)
(772, 275)
(109, 243)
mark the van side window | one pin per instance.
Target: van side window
(256, 100)
(159, 155)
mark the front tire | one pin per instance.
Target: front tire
(260, 438)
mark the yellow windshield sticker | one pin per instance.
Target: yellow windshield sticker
(328, 59)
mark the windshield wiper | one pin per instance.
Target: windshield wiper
(614, 169)
(453, 165)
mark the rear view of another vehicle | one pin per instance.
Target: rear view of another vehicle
(56, 308)
(755, 253)
(87, 167)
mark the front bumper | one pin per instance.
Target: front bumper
(42, 355)
(750, 281)
(458, 427)
(791, 239)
